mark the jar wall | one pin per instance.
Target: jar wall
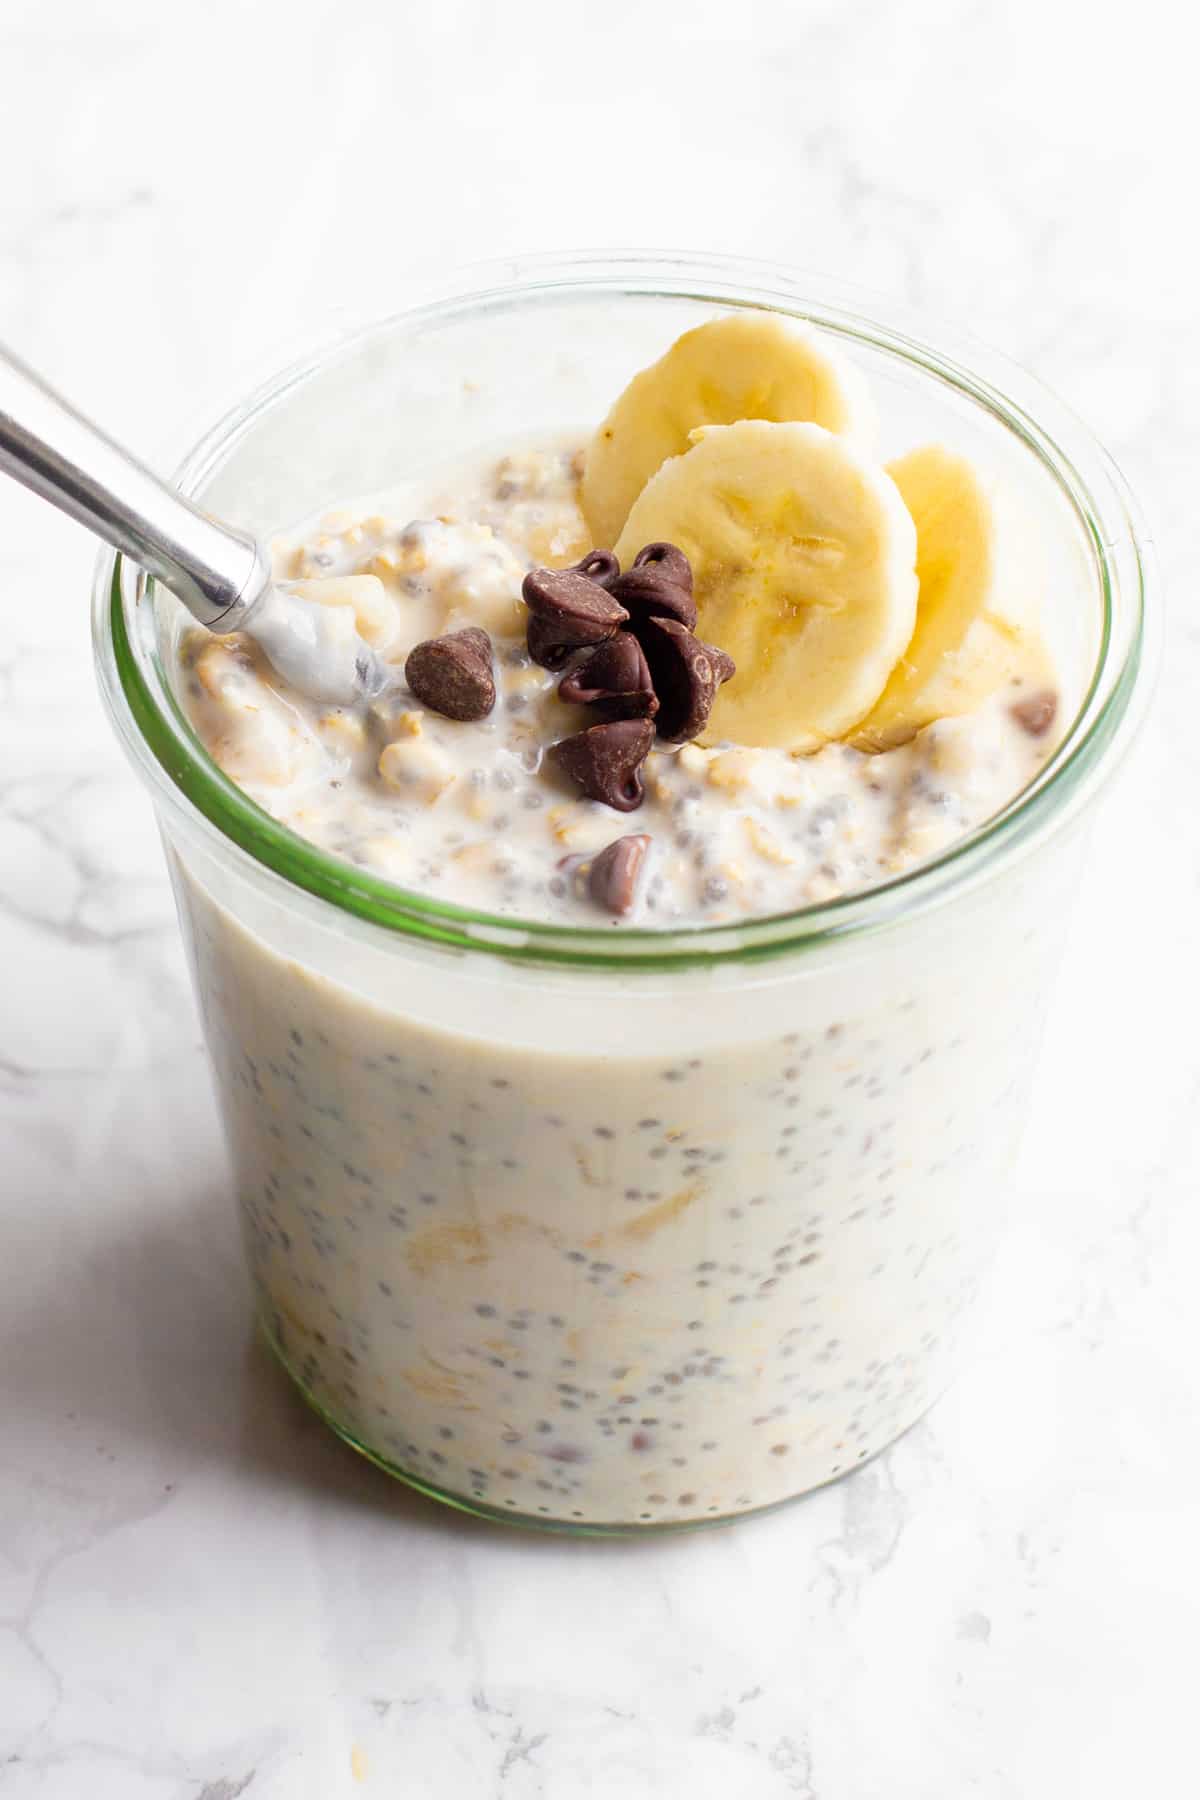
(622, 1255)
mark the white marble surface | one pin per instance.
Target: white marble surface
(203, 1596)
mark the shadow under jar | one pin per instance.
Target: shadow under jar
(618, 1230)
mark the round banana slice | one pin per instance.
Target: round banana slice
(747, 365)
(974, 611)
(802, 559)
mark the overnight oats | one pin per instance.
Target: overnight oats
(688, 1220)
(890, 690)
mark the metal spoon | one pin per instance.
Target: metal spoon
(222, 575)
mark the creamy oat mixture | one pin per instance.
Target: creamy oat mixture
(477, 814)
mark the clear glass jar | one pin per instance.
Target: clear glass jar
(622, 1230)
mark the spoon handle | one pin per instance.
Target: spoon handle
(218, 573)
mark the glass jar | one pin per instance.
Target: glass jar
(622, 1230)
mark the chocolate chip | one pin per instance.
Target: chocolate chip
(646, 597)
(569, 612)
(452, 675)
(1036, 714)
(616, 676)
(723, 664)
(658, 584)
(545, 645)
(668, 560)
(606, 761)
(686, 675)
(613, 876)
(600, 566)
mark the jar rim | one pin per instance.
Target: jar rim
(182, 776)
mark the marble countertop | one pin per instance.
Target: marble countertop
(201, 1594)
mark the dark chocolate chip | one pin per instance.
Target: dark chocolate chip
(544, 642)
(452, 675)
(1036, 714)
(617, 676)
(658, 585)
(722, 663)
(600, 566)
(668, 560)
(614, 874)
(646, 597)
(686, 675)
(606, 761)
(569, 611)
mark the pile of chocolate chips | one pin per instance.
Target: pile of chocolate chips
(635, 658)
(642, 667)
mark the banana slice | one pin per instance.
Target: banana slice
(747, 365)
(975, 619)
(802, 559)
